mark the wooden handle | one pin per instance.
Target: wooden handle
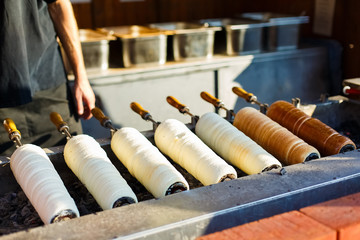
(57, 120)
(10, 126)
(139, 109)
(99, 115)
(242, 93)
(209, 98)
(175, 103)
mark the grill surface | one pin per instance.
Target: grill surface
(204, 210)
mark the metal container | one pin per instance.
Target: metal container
(238, 36)
(189, 40)
(137, 46)
(281, 32)
(95, 49)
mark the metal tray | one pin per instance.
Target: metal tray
(137, 46)
(282, 30)
(238, 36)
(95, 49)
(188, 40)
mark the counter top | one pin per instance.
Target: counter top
(105, 77)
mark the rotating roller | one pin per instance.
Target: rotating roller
(233, 145)
(274, 138)
(39, 180)
(313, 131)
(176, 140)
(143, 160)
(89, 162)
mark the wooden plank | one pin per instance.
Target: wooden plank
(116, 13)
(103, 13)
(83, 14)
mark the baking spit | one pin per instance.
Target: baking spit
(206, 209)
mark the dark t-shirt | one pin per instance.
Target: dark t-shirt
(30, 59)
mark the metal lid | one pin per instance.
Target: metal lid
(89, 35)
(274, 19)
(183, 27)
(133, 31)
(233, 24)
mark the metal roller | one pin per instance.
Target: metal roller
(89, 162)
(140, 157)
(39, 180)
(231, 144)
(177, 141)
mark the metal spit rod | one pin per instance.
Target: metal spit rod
(182, 109)
(104, 120)
(249, 97)
(60, 124)
(14, 133)
(217, 104)
(136, 107)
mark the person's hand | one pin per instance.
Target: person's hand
(62, 15)
(84, 97)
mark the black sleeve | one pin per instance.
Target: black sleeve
(50, 1)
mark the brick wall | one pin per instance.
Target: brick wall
(335, 219)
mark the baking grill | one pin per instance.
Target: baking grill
(206, 209)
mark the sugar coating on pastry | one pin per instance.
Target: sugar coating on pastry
(275, 139)
(311, 130)
(233, 145)
(89, 162)
(40, 182)
(145, 162)
(174, 139)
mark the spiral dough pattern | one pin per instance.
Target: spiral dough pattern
(233, 145)
(145, 162)
(311, 130)
(275, 139)
(89, 162)
(40, 182)
(174, 139)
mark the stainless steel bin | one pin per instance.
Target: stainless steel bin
(137, 46)
(189, 40)
(238, 36)
(95, 49)
(282, 30)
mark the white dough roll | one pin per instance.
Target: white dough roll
(233, 145)
(41, 183)
(174, 139)
(89, 162)
(145, 162)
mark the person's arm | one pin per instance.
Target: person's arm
(62, 15)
